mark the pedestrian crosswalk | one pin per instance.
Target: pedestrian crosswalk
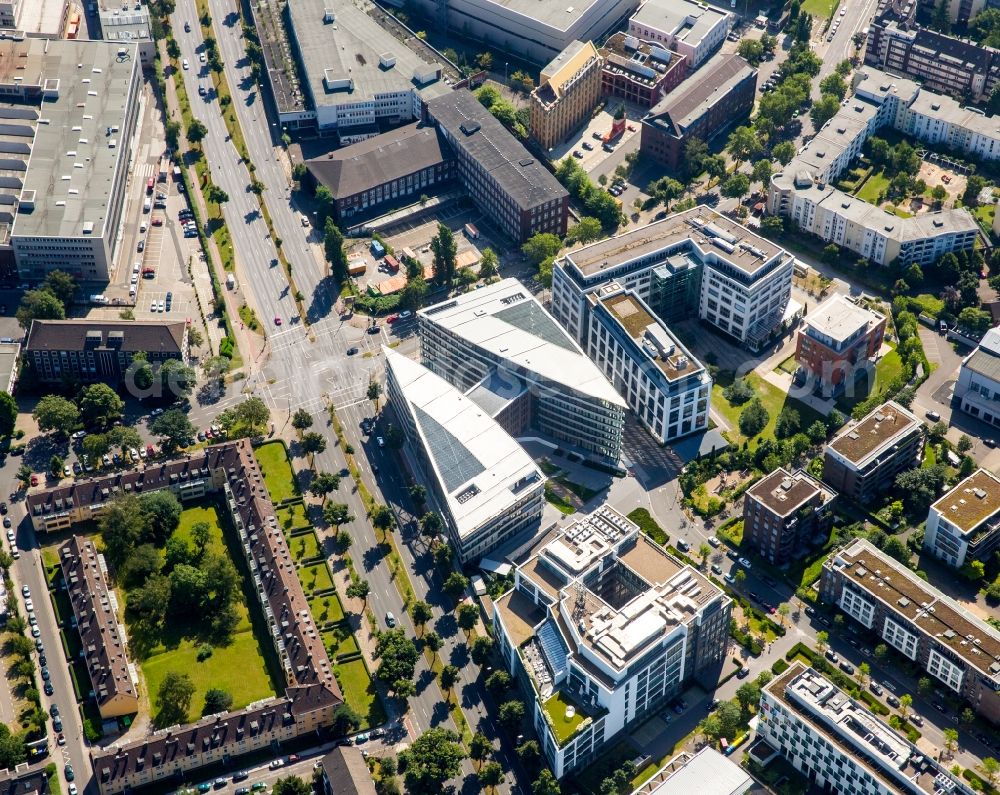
(144, 171)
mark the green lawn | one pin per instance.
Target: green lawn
(293, 517)
(304, 546)
(339, 640)
(359, 692)
(277, 471)
(774, 401)
(316, 577)
(821, 9)
(873, 187)
(238, 668)
(562, 727)
(324, 614)
(887, 369)
(201, 513)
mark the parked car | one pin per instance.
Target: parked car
(49, 689)
(933, 416)
(876, 688)
(916, 719)
(846, 667)
(715, 542)
(390, 620)
(716, 568)
(831, 655)
(68, 772)
(892, 701)
(746, 564)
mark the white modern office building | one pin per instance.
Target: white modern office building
(691, 28)
(803, 191)
(840, 746)
(603, 627)
(666, 387)
(977, 389)
(501, 347)
(69, 110)
(696, 263)
(489, 490)
(964, 524)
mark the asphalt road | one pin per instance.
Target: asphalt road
(257, 264)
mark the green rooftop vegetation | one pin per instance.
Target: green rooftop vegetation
(563, 728)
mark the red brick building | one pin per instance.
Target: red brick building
(639, 71)
(837, 343)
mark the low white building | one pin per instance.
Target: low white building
(666, 387)
(706, 772)
(977, 389)
(964, 524)
(489, 490)
(688, 27)
(602, 628)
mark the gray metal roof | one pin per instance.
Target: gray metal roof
(455, 461)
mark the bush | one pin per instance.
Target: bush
(779, 667)
(753, 418)
(738, 392)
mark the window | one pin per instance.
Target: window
(945, 670)
(899, 638)
(859, 609)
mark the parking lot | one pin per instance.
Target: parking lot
(591, 158)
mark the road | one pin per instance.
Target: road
(858, 17)
(257, 264)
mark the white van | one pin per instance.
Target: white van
(146, 205)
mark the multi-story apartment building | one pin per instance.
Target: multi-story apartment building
(601, 628)
(722, 96)
(688, 27)
(10, 13)
(952, 644)
(506, 352)
(345, 772)
(358, 77)
(113, 679)
(964, 524)
(377, 174)
(977, 389)
(803, 190)
(837, 343)
(534, 30)
(640, 72)
(740, 282)
(517, 192)
(785, 513)
(70, 140)
(666, 387)
(865, 457)
(488, 488)
(959, 67)
(568, 90)
(63, 351)
(840, 746)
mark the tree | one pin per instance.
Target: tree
(421, 613)
(217, 700)
(824, 110)
(323, 483)
(56, 464)
(666, 190)
(313, 442)
(833, 84)
(905, 702)
(704, 551)
(173, 698)
(337, 513)
(418, 493)
(55, 413)
(345, 720)
(333, 248)
(966, 717)
(8, 414)
(753, 418)
(924, 685)
(161, 512)
(123, 437)
(456, 584)
(787, 424)
(62, 285)
(445, 251)
(761, 172)
(301, 420)
(382, 518)
(431, 524)
(433, 758)
(291, 785)
(738, 392)
(397, 657)
(484, 61)
(433, 642)
(881, 653)
(448, 677)
(822, 640)
(751, 50)
(973, 187)
(863, 672)
(546, 784)
(491, 775)
(480, 747)
(489, 263)
(784, 152)
(359, 590)
(467, 615)
(100, 405)
(748, 695)
(196, 133)
(481, 649)
(737, 186)
(498, 682)
(173, 429)
(950, 741)
(743, 144)
(921, 486)
(511, 715)
(978, 321)
(541, 246)
(989, 765)
(253, 414)
(39, 305)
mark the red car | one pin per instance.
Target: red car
(157, 221)
(392, 318)
(34, 480)
(150, 450)
(277, 321)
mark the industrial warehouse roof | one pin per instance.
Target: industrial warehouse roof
(476, 131)
(482, 471)
(679, 109)
(505, 320)
(80, 140)
(380, 160)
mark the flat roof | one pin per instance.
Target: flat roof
(783, 492)
(703, 227)
(9, 354)
(679, 109)
(476, 131)
(482, 471)
(926, 608)
(688, 20)
(520, 616)
(554, 14)
(862, 440)
(856, 732)
(840, 318)
(74, 159)
(506, 320)
(349, 48)
(985, 359)
(42, 17)
(707, 773)
(972, 501)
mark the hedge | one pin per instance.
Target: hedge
(779, 667)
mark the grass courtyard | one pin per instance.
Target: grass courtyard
(278, 475)
(359, 692)
(887, 369)
(315, 577)
(821, 9)
(876, 185)
(326, 609)
(563, 727)
(292, 517)
(304, 546)
(774, 401)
